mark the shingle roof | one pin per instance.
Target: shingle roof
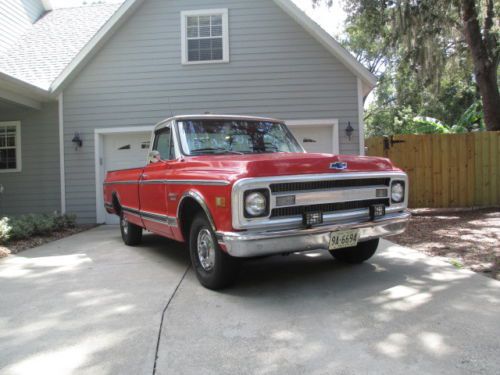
(42, 53)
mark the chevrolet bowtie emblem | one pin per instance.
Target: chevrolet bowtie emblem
(338, 165)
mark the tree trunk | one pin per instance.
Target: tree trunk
(485, 65)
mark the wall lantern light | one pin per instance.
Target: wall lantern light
(349, 130)
(77, 141)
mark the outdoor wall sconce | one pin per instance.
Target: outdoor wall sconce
(349, 130)
(77, 141)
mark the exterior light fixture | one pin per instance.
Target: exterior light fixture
(77, 140)
(349, 130)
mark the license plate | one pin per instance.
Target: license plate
(340, 240)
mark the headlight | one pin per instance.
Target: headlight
(398, 191)
(256, 203)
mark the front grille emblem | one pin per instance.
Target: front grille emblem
(338, 165)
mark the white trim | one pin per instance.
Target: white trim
(361, 119)
(334, 123)
(62, 171)
(19, 166)
(98, 162)
(87, 52)
(20, 99)
(334, 47)
(225, 35)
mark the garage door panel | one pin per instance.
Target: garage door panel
(314, 138)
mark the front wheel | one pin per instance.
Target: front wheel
(214, 268)
(131, 233)
(357, 254)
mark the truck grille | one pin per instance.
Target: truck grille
(329, 184)
(327, 207)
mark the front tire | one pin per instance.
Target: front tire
(131, 233)
(357, 254)
(214, 268)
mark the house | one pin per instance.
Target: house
(103, 75)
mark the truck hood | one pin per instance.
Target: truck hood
(281, 164)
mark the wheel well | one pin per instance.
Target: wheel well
(187, 212)
(116, 204)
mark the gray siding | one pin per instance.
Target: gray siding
(37, 187)
(277, 69)
(15, 17)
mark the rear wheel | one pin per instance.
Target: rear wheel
(131, 233)
(357, 254)
(214, 268)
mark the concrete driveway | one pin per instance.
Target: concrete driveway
(90, 305)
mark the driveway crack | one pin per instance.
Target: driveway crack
(163, 316)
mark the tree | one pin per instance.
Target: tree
(485, 50)
(428, 47)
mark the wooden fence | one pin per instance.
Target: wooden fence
(446, 170)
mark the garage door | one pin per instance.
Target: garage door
(122, 151)
(314, 138)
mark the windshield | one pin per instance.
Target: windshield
(201, 137)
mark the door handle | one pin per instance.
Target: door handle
(145, 176)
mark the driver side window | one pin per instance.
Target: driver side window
(164, 145)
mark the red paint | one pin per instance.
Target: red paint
(155, 198)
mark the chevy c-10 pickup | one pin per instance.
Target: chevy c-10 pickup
(234, 187)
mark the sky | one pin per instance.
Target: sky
(331, 19)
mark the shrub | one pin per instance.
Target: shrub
(26, 226)
(5, 229)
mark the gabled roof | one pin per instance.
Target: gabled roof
(48, 47)
(64, 40)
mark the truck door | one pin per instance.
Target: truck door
(153, 187)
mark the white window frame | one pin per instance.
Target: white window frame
(17, 124)
(225, 35)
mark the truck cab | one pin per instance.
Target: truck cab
(235, 187)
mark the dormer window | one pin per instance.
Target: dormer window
(205, 36)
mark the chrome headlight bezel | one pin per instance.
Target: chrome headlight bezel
(260, 199)
(397, 191)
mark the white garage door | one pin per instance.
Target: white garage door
(122, 151)
(314, 138)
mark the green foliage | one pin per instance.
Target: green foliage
(23, 227)
(471, 120)
(424, 65)
(4, 230)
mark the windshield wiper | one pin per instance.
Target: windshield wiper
(208, 149)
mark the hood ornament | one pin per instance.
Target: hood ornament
(340, 166)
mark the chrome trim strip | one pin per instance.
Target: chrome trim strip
(201, 201)
(172, 182)
(331, 196)
(150, 216)
(121, 183)
(187, 182)
(240, 222)
(251, 244)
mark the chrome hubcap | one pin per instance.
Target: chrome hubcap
(206, 249)
(124, 224)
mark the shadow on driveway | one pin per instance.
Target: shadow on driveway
(89, 304)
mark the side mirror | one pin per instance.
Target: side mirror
(154, 157)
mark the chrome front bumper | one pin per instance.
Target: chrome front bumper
(252, 244)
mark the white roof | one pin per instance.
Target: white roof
(41, 54)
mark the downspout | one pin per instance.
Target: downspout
(61, 153)
(361, 118)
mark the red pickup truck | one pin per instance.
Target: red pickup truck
(234, 187)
